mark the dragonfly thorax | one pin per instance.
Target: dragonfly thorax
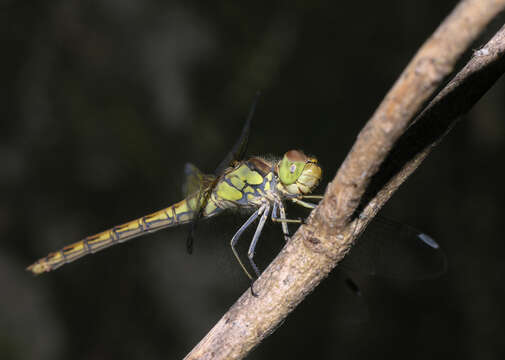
(257, 180)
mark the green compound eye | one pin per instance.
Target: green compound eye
(291, 166)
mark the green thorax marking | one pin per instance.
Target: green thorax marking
(245, 184)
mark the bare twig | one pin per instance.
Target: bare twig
(317, 247)
(455, 99)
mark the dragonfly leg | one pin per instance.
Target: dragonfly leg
(310, 197)
(275, 218)
(253, 293)
(303, 203)
(237, 235)
(257, 233)
(285, 228)
(282, 219)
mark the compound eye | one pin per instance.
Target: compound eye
(292, 168)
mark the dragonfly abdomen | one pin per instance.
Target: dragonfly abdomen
(177, 214)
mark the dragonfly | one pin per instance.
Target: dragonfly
(259, 184)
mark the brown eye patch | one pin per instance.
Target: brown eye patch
(296, 155)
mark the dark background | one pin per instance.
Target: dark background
(104, 102)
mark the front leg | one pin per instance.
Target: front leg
(310, 197)
(282, 219)
(297, 199)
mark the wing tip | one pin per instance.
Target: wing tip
(428, 240)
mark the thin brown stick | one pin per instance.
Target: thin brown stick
(317, 247)
(422, 76)
(480, 73)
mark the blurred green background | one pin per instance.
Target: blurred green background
(105, 101)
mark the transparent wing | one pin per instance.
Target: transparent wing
(395, 250)
(205, 184)
(239, 149)
(197, 189)
(194, 180)
(196, 183)
(202, 184)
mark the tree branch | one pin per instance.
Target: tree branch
(317, 247)
(436, 120)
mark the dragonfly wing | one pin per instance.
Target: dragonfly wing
(206, 183)
(197, 189)
(195, 180)
(394, 250)
(238, 150)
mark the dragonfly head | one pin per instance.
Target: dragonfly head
(299, 173)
